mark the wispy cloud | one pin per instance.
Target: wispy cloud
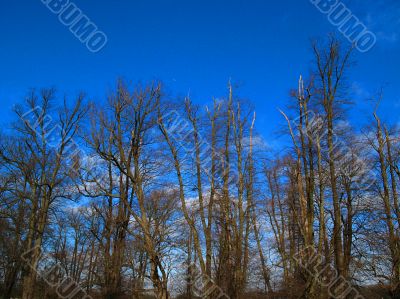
(359, 91)
(381, 17)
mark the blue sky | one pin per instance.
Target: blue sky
(193, 46)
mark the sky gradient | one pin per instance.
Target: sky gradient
(193, 47)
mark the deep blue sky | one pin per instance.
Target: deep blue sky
(192, 46)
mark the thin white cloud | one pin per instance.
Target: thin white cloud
(381, 17)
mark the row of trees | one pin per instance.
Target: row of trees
(150, 196)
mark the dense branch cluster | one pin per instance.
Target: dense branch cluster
(149, 196)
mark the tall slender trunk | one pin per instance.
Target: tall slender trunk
(337, 239)
(393, 235)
